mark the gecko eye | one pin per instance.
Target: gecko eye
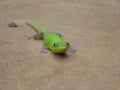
(55, 44)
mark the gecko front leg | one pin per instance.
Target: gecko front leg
(70, 48)
(43, 49)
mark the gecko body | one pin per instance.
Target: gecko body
(52, 40)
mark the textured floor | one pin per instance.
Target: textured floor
(92, 27)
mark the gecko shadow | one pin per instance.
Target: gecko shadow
(62, 56)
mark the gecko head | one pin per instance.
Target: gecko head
(60, 47)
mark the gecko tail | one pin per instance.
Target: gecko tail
(37, 27)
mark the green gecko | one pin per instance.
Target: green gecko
(52, 41)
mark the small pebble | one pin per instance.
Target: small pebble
(12, 25)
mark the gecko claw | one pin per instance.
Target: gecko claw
(43, 49)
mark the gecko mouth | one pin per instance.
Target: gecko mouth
(61, 50)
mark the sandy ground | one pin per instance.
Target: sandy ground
(92, 27)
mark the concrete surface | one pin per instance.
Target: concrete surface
(92, 27)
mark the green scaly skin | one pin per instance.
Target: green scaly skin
(52, 41)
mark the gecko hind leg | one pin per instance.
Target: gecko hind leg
(35, 36)
(38, 37)
(59, 34)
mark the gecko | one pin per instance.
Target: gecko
(51, 40)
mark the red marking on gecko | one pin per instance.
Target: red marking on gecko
(49, 33)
